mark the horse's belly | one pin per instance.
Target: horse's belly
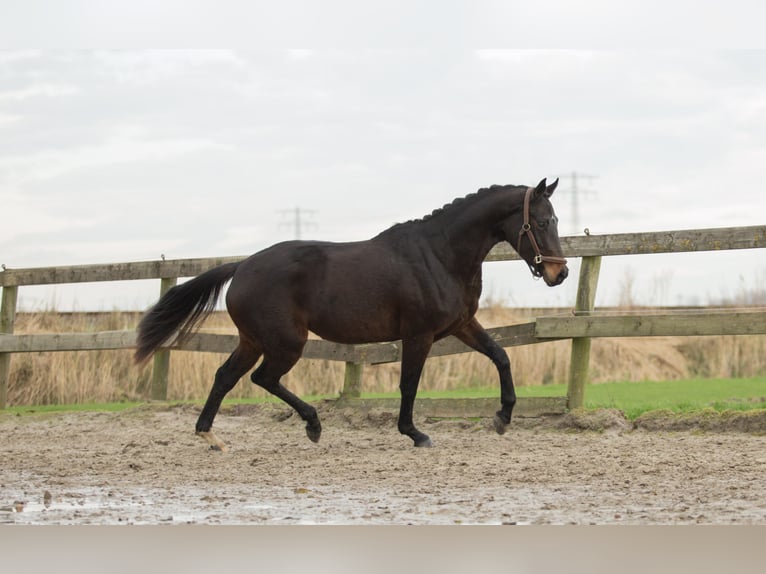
(356, 328)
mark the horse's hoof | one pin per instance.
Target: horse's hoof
(424, 443)
(500, 425)
(214, 442)
(314, 432)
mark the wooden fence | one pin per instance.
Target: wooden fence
(580, 325)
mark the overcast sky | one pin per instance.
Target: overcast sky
(110, 156)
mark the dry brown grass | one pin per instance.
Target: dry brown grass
(102, 376)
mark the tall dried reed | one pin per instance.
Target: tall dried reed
(100, 376)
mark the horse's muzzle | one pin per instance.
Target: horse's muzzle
(554, 273)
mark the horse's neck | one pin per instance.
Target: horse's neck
(470, 234)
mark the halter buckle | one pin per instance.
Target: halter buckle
(538, 259)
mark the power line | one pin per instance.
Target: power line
(297, 222)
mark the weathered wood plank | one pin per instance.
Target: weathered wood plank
(38, 342)
(688, 324)
(207, 342)
(320, 349)
(579, 364)
(204, 342)
(476, 407)
(7, 321)
(714, 239)
(161, 361)
(112, 271)
(682, 241)
(352, 381)
(200, 342)
(542, 330)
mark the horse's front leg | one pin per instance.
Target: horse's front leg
(414, 353)
(474, 335)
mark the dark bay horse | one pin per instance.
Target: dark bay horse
(418, 281)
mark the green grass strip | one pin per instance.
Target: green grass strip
(633, 398)
(636, 398)
(84, 407)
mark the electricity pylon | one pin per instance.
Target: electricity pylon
(298, 222)
(576, 191)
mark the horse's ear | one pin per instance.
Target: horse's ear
(551, 188)
(540, 189)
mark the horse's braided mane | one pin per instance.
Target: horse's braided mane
(458, 202)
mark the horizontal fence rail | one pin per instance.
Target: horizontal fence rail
(541, 330)
(717, 322)
(163, 269)
(206, 342)
(647, 243)
(579, 326)
(716, 239)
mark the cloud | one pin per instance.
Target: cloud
(38, 91)
(8, 119)
(125, 144)
(196, 152)
(145, 67)
(127, 249)
(9, 57)
(242, 238)
(300, 54)
(24, 216)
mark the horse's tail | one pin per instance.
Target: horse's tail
(181, 309)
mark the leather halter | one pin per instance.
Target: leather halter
(526, 229)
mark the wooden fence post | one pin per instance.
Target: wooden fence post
(7, 319)
(352, 381)
(161, 366)
(580, 358)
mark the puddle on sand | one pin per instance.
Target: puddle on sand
(243, 505)
(136, 507)
(139, 507)
(69, 509)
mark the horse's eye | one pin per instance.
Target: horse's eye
(542, 224)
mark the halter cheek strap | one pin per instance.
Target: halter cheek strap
(526, 229)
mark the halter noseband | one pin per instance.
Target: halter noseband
(527, 229)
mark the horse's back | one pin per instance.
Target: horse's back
(341, 291)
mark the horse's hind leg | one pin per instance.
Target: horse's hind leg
(239, 362)
(268, 375)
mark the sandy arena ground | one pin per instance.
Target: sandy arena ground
(146, 466)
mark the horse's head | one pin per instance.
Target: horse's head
(533, 232)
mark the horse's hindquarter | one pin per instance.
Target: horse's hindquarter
(341, 291)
